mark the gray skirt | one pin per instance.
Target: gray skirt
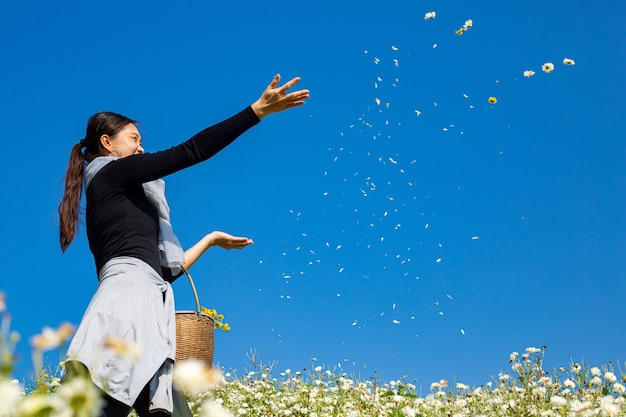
(135, 305)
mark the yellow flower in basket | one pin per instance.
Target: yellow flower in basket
(218, 319)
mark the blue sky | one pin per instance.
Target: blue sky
(428, 246)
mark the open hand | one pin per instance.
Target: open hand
(275, 99)
(228, 242)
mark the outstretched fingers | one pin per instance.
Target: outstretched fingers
(289, 84)
(274, 82)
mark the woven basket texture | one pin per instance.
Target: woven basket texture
(194, 337)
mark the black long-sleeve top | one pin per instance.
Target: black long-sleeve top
(120, 220)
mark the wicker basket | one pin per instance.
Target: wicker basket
(194, 333)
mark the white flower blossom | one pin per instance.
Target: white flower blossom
(569, 383)
(81, 396)
(213, 409)
(595, 371)
(596, 381)
(558, 401)
(568, 61)
(194, 377)
(610, 376)
(581, 406)
(10, 394)
(548, 67)
(430, 15)
(608, 406)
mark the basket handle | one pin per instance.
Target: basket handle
(193, 287)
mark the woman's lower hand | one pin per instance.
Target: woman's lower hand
(228, 242)
(275, 99)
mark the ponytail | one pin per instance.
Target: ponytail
(102, 123)
(69, 208)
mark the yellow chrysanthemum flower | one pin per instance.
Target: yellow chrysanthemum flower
(226, 327)
(460, 31)
(220, 317)
(492, 100)
(217, 325)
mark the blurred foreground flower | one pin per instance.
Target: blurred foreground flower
(10, 394)
(194, 378)
(213, 409)
(51, 339)
(80, 398)
(130, 351)
(548, 67)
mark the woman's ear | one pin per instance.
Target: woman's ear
(105, 141)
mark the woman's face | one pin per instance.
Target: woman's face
(127, 142)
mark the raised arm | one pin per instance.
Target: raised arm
(216, 238)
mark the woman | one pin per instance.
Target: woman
(136, 253)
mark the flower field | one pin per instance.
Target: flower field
(527, 390)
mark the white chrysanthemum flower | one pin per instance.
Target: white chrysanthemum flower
(610, 376)
(548, 67)
(608, 406)
(569, 383)
(513, 356)
(194, 377)
(468, 24)
(430, 15)
(581, 406)
(596, 381)
(409, 412)
(10, 394)
(461, 386)
(529, 73)
(618, 388)
(568, 61)
(81, 396)
(531, 350)
(41, 405)
(212, 409)
(558, 401)
(595, 371)
(51, 339)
